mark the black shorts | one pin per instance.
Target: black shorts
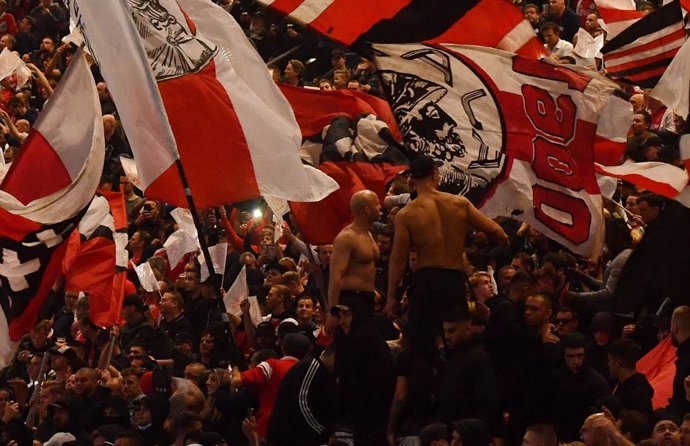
(360, 302)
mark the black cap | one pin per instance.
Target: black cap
(134, 299)
(276, 266)
(423, 166)
(183, 337)
(67, 352)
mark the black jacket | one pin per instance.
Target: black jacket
(636, 394)
(467, 388)
(304, 412)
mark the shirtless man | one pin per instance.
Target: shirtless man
(435, 223)
(353, 263)
(364, 365)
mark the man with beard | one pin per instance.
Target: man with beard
(363, 362)
(680, 337)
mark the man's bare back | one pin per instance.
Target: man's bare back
(436, 225)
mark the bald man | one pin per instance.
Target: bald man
(353, 262)
(364, 365)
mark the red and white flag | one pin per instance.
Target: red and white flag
(515, 135)
(469, 22)
(617, 15)
(188, 85)
(641, 53)
(673, 87)
(43, 196)
(96, 258)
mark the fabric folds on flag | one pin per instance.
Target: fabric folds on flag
(618, 15)
(91, 263)
(68, 140)
(357, 154)
(470, 22)
(315, 109)
(175, 61)
(640, 54)
(490, 117)
(673, 89)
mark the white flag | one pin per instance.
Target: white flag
(178, 244)
(147, 278)
(254, 310)
(587, 46)
(219, 255)
(672, 88)
(237, 292)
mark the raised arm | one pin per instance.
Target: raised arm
(486, 225)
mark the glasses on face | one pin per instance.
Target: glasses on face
(563, 321)
(207, 341)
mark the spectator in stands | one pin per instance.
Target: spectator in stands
(575, 388)
(325, 84)
(557, 47)
(632, 387)
(265, 378)
(533, 16)
(50, 18)
(540, 435)
(173, 319)
(340, 79)
(566, 321)
(649, 207)
(639, 129)
(566, 20)
(28, 37)
(467, 388)
(293, 73)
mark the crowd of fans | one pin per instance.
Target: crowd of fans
(539, 359)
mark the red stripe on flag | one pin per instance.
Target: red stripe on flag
(660, 41)
(315, 109)
(646, 74)
(354, 17)
(481, 24)
(16, 227)
(92, 271)
(641, 62)
(619, 15)
(36, 160)
(24, 322)
(116, 201)
(608, 152)
(644, 182)
(218, 163)
(533, 49)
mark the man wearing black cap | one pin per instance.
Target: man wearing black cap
(436, 224)
(137, 329)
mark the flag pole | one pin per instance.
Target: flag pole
(197, 223)
(213, 276)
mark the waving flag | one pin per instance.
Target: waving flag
(640, 54)
(96, 258)
(470, 22)
(190, 87)
(44, 194)
(617, 15)
(516, 136)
